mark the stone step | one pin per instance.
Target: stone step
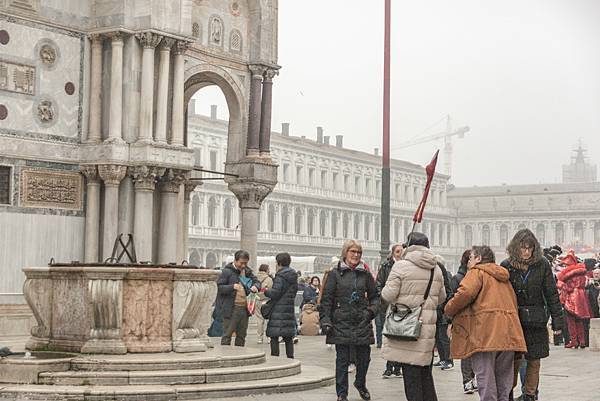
(274, 368)
(218, 357)
(310, 378)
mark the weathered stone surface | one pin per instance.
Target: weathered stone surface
(595, 335)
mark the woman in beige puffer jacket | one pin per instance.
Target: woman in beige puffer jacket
(407, 285)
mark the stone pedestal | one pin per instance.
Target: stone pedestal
(595, 334)
(114, 310)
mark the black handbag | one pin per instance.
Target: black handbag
(534, 315)
(267, 309)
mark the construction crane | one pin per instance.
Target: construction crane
(446, 135)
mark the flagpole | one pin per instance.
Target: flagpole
(385, 170)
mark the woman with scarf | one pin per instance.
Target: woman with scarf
(348, 305)
(537, 298)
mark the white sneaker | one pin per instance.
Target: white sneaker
(468, 387)
(260, 341)
(474, 382)
(351, 368)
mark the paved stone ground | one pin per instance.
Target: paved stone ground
(567, 375)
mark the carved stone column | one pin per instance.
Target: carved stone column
(95, 117)
(265, 115)
(250, 196)
(116, 88)
(192, 304)
(189, 186)
(162, 94)
(252, 144)
(38, 292)
(92, 213)
(106, 297)
(169, 190)
(112, 176)
(144, 179)
(149, 41)
(177, 114)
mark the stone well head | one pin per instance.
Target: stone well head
(112, 309)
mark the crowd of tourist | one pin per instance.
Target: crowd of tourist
(495, 317)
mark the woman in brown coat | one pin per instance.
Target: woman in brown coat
(485, 324)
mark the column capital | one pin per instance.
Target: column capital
(149, 40)
(115, 37)
(189, 187)
(96, 39)
(144, 177)
(166, 43)
(172, 179)
(250, 194)
(257, 70)
(270, 73)
(90, 171)
(181, 47)
(112, 174)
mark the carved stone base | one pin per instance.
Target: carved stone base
(37, 343)
(156, 345)
(190, 345)
(104, 346)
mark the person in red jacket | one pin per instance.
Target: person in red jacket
(571, 285)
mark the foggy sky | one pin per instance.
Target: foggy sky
(524, 75)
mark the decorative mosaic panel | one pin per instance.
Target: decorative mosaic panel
(4, 185)
(18, 78)
(51, 189)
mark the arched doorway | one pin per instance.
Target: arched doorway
(211, 260)
(195, 258)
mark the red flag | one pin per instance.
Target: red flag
(430, 169)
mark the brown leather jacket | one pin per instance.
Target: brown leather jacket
(484, 312)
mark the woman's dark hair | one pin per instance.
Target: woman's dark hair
(317, 278)
(464, 259)
(486, 254)
(263, 268)
(283, 259)
(417, 238)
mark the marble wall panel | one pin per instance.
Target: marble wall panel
(72, 316)
(147, 315)
(37, 66)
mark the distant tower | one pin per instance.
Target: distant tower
(579, 171)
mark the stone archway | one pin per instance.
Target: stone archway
(203, 75)
(211, 260)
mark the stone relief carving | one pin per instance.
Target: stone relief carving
(45, 111)
(235, 9)
(18, 78)
(250, 195)
(47, 54)
(51, 189)
(172, 179)
(216, 31)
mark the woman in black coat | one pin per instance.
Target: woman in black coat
(348, 305)
(537, 298)
(282, 322)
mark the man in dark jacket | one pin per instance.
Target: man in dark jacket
(282, 322)
(391, 368)
(532, 280)
(234, 284)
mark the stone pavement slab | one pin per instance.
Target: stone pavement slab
(567, 375)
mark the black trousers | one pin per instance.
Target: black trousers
(418, 383)
(466, 368)
(342, 360)
(238, 323)
(289, 346)
(442, 342)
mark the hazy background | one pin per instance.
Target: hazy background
(524, 75)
